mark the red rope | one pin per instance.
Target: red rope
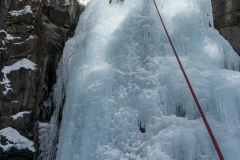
(192, 91)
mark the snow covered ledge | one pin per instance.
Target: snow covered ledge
(83, 2)
(12, 138)
(23, 63)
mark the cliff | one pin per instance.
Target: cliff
(32, 37)
(227, 20)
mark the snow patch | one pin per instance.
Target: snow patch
(26, 10)
(66, 3)
(83, 2)
(30, 37)
(20, 114)
(23, 63)
(18, 140)
(9, 36)
(48, 3)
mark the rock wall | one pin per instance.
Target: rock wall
(36, 31)
(226, 15)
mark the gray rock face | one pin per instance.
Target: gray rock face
(227, 20)
(32, 30)
(16, 154)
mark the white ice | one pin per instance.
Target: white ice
(119, 70)
(14, 139)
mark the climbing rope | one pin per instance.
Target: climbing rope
(192, 91)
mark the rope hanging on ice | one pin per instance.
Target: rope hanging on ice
(191, 89)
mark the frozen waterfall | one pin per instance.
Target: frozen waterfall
(119, 71)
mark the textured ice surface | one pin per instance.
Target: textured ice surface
(119, 70)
